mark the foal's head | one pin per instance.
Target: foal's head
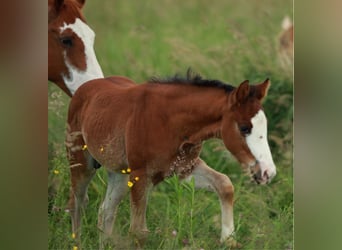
(244, 130)
(72, 60)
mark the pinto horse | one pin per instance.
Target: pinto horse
(72, 62)
(145, 133)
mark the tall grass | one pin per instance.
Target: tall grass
(227, 40)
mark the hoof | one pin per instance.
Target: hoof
(139, 238)
(232, 243)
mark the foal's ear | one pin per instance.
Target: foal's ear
(242, 92)
(57, 5)
(81, 3)
(262, 89)
(54, 6)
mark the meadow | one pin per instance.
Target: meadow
(223, 39)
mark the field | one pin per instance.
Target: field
(226, 40)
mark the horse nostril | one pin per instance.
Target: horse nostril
(256, 179)
(265, 175)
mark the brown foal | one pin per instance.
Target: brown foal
(145, 133)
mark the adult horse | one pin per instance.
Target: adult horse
(71, 63)
(145, 133)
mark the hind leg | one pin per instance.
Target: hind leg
(139, 199)
(116, 190)
(81, 173)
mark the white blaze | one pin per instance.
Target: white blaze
(93, 70)
(258, 144)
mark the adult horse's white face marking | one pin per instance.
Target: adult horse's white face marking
(257, 143)
(93, 70)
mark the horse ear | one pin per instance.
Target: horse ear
(242, 92)
(81, 2)
(54, 7)
(58, 4)
(262, 89)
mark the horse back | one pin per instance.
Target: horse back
(99, 99)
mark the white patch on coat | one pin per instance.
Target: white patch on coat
(258, 144)
(93, 70)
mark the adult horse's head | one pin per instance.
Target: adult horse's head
(244, 130)
(72, 60)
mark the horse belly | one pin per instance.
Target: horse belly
(109, 152)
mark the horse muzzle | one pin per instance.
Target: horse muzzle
(262, 173)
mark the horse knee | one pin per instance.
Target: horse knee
(226, 188)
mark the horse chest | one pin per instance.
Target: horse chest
(182, 166)
(184, 163)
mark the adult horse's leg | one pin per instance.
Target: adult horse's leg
(82, 171)
(116, 190)
(208, 178)
(139, 197)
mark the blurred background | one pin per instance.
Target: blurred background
(227, 40)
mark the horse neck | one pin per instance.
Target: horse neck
(200, 113)
(69, 87)
(61, 84)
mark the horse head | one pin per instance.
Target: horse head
(244, 130)
(72, 59)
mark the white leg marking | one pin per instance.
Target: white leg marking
(76, 165)
(116, 190)
(208, 178)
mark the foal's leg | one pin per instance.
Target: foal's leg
(208, 178)
(116, 190)
(82, 171)
(139, 197)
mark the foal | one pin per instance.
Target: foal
(145, 133)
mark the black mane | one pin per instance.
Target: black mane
(192, 79)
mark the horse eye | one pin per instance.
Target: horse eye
(67, 41)
(245, 129)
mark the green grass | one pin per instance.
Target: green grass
(227, 40)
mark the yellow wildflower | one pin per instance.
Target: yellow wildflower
(128, 170)
(123, 171)
(101, 149)
(55, 171)
(75, 248)
(73, 235)
(136, 178)
(130, 184)
(84, 147)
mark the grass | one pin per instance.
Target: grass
(227, 40)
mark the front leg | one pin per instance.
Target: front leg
(140, 186)
(208, 178)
